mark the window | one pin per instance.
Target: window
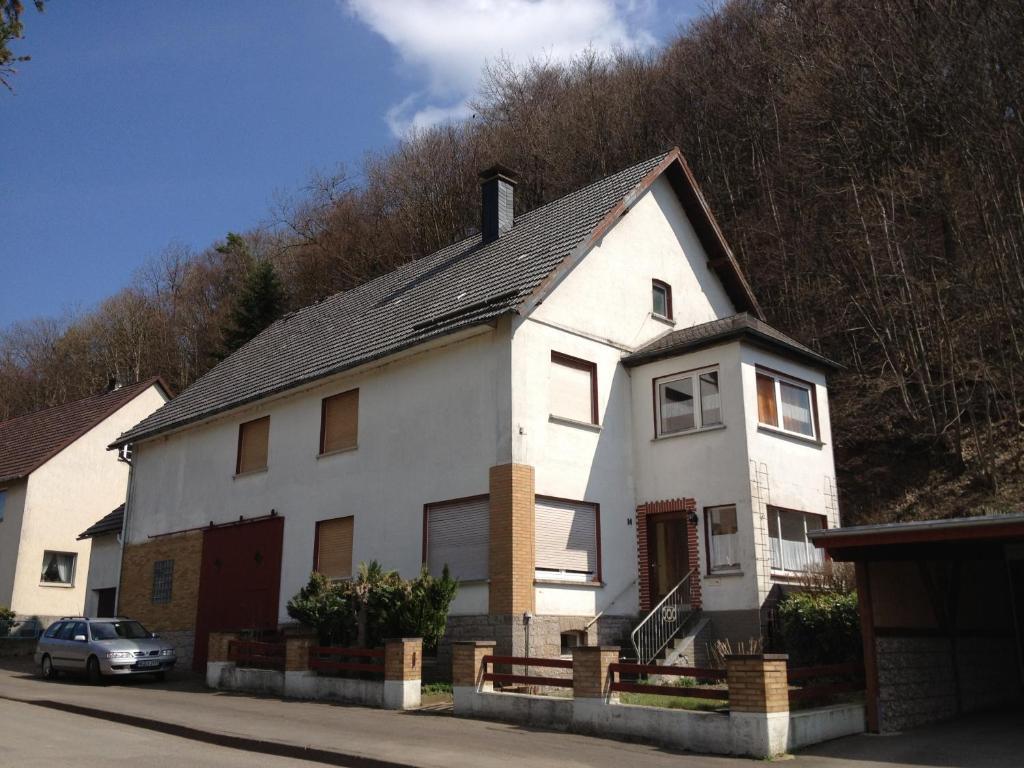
(661, 299)
(339, 422)
(573, 388)
(791, 399)
(163, 581)
(67, 631)
(334, 547)
(688, 401)
(570, 640)
(567, 540)
(58, 568)
(3, 503)
(253, 437)
(458, 534)
(55, 629)
(791, 548)
(723, 538)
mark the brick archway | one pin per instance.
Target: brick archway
(651, 508)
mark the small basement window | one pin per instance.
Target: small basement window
(253, 441)
(661, 299)
(570, 640)
(58, 567)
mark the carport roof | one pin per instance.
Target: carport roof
(843, 543)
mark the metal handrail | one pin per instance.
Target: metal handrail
(663, 622)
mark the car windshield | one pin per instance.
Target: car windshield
(113, 630)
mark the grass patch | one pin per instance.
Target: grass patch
(671, 701)
(435, 689)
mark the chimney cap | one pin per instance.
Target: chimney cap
(499, 170)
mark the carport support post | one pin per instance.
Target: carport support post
(758, 703)
(403, 664)
(468, 673)
(218, 657)
(299, 679)
(866, 614)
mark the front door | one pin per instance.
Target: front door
(667, 553)
(106, 600)
(239, 581)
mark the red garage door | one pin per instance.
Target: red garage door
(239, 581)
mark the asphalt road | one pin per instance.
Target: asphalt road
(31, 736)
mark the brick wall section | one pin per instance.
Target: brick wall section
(590, 676)
(692, 544)
(512, 539)
(219, 642)
(296, 651)
(467, 661)
(403, 659)
(135, 598)
(758, 683)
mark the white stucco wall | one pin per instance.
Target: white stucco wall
(430, 427)
(599, 311)
(104, 569)
(65, 496)
(10, 538)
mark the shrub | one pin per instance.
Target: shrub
(6, 620)
(376, 605)
(820, 627)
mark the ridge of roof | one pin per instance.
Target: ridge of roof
(30, 440)
(719, 331)
(466, 284)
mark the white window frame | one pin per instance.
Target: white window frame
(74, 569)
(712, 568)
(777, 380)
(698, 411)
(547, 573)
(814, 556)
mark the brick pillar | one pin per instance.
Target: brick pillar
(467, 673)
(218, 647)
(512, 539)
(403, 662)
(758, 683)
(591, 678)
(296, 650)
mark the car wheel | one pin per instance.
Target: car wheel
(46, 668)
(93, 671)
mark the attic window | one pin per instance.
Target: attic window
(661, 299)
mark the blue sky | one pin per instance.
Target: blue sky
(138, 124)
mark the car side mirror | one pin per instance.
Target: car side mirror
(79, 638)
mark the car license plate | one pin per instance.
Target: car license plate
(147, 663)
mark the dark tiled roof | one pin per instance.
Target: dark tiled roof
(26, 442)
(465, 284)
(110, 523)
(718, 331)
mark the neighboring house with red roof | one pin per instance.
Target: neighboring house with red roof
(58, 478)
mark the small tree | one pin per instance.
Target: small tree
(6, 620)
(259, 304)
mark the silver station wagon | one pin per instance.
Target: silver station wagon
(101, 647)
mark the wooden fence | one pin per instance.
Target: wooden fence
(694, 692)
(527, 661)
(256, 655)
(332, 659)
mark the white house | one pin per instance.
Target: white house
(580, 410)
(56, 479)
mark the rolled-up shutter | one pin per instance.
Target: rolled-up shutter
(566, 536)
(334, 548)
(458, 534)
(253, 438)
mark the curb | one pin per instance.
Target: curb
(243, 743)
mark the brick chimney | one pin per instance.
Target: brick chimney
(497, 187)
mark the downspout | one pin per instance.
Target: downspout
(125, 527)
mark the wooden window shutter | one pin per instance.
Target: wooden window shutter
(566, 536)
(458, 534)
(767, 412)
(334, 547)
(339, 427)
(253, 439)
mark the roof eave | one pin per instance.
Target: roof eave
(750, 335)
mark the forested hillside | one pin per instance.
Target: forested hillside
(863, 158)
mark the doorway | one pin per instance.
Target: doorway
(667, 552)
(106, 600)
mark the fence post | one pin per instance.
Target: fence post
(467, 673)
(758, 703)
(299, 679)
(403, 665)
(217, 663)
(592, 685)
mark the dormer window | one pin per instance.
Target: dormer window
(661, 299)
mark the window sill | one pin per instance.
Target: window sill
(726, 574)
(687, 433)
(573, 423)
(249, 473)
(56, 584)
(566, 583)
(662, 319)
(339, 451)
(803, 439)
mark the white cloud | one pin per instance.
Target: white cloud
(445, 43)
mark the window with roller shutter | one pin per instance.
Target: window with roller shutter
(573, 389)
(457, 533)
(339, 422)
(253, 442)
(334, 547)
(567, 540)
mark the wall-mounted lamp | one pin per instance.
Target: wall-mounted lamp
(693, 518)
